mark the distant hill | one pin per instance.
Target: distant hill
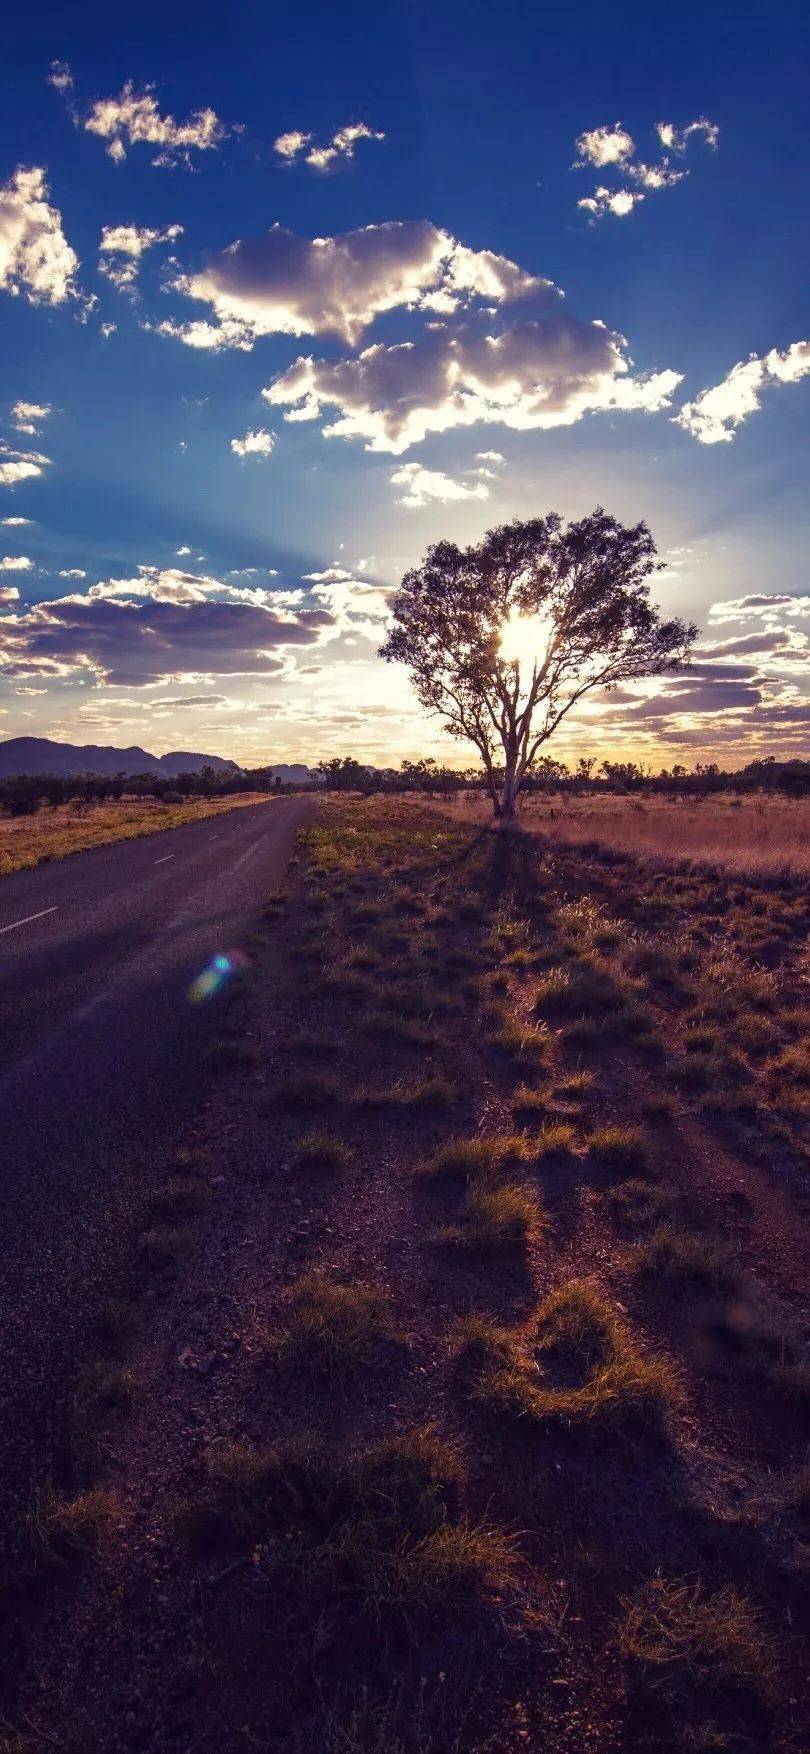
(40, 755)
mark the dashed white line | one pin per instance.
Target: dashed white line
(250, 850)
(165, 859)
(28, 918)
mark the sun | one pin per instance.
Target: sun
(525, 638)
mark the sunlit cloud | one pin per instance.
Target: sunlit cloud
(122, 246)
(256, 443)
(133, 118)
(29, 416)
(420, 486)
(16, 563)
(16, 466)
(715, 415)
(292, 146)
(612, 149)
(532, 375)
(280, 284)
(619, 202)
(36, 260)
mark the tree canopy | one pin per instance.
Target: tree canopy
(503, 638)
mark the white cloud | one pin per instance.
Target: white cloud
(292, 143)
(60, 76)
(716, 413)
(15, 563)
(15, 523)
(677, 139)
(256, 443)
(122, 246)
(20, 465)
(619, 202)
(73, 572)
(423, 485)
(602, 146)
(183, 550)
(489, 457)
(8, 594)
(280, 284)
(538, 374)
(291, 146)
(28, 416)
(133, 118)
(613, 149)
(108, 329)
(764, 606)
(36, 260)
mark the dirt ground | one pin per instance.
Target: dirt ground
(457, 1397)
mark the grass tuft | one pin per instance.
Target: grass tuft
(321, 1151)
(330, 1328)
(619, 1148)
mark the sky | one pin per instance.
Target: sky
(285, 297)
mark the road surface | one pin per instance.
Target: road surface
(101, 1058)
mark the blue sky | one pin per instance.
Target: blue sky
(457, 159)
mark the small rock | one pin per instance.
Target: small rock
(218, 1181)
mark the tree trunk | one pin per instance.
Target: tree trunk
(509, 795)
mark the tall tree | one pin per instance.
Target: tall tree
(502, 639)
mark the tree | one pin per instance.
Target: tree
(504, 638)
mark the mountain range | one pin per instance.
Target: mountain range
(34, 755)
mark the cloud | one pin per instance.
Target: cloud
(108, 329)
(36, 260)
(256, 443)
(761, 607)
(423, 485)
(292, 146)
(677, 139)
(743, 645)
(73, 572)
(613, 149)
(191, 700)
(28, 416)
(8, 594)
(489, 457)
(537, 374)
(603, 146)
(130, 242)
(133, 118)
(604, 201)
(60, 76)
(280, 284)
(15, 563)
(134, 633)
(20, 465)
(716, 413)
(15, 523)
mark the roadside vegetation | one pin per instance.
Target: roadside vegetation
(52, 832)
(458, 1400)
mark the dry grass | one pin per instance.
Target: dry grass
(73, 1528)
(757, 835)
(677, 1636)
(575, 1366)
(330, 1328)
(26, 841)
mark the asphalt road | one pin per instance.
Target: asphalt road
(102, 1056)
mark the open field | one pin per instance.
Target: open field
(455, 1400)
(55, 832)
(748, 835)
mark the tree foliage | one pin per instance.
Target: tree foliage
(580, 595)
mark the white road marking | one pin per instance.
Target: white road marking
(28, 919)
(164, 860)
(250, 850)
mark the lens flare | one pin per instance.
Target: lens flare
(215, 975)
(525, 638)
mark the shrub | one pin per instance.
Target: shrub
(320, 1151)
(73, 1527)
(330, 1327)
(470, 1159)
(619, 1148)
(674, 1633)
(681, 1255)
(495, 1217)
(526, 1375)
